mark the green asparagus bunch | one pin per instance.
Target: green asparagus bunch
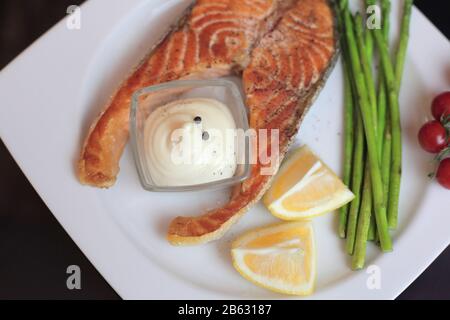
(373, 146)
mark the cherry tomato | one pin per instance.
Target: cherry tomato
(441, 106)
(443, 173)
(433, 137)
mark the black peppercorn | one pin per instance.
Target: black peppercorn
(198, 120)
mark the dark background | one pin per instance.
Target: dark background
(35, 250)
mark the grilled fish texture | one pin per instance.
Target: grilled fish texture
(286, 72)
(214, 38)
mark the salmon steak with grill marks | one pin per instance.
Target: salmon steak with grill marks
(287, 70)
(214, 38)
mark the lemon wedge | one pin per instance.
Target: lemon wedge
(280, 257)
(305, 187)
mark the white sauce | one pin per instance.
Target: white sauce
(189, 142)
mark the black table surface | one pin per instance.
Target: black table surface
(35, 251)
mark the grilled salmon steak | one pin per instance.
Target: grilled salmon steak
(214, 38)
(287, 71)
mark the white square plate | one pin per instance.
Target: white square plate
(52, 92)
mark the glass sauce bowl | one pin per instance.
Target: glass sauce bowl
(148, 99)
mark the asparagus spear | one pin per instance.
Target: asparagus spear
(372, 229)
(362, 232)
(343, 5)
(382, 99)
(386, 11)
(349, 101)
(357, 173)
(358, 169)
(404, 39)
(366, 205)
(365, 108)
(369, 48)
(395, 177)
(348, 148)
(367, 68)
(396, 166)
(368, 35)
(386, 160)
(384, 131)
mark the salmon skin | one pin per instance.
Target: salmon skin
(214, 38)
(287, 71)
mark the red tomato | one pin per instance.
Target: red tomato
(441, 105)
(443, 173)
(433, 137)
